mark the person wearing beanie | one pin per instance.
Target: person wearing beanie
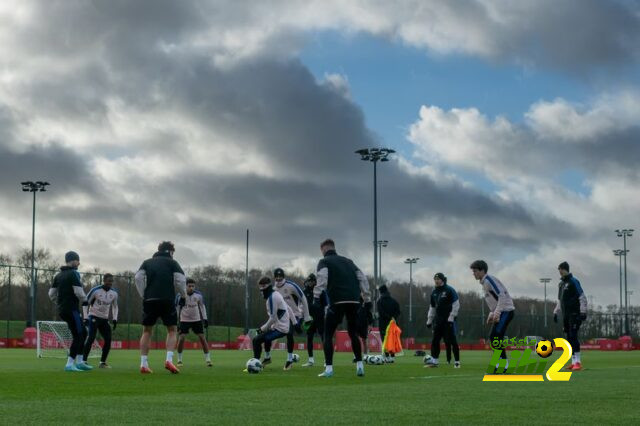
(443, 310)
(572, 304)
(500, 305)
(317, 313)
(156, 281)
(388, 309)
(67, 292)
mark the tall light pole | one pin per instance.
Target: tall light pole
(381, 243)
(374, 155)
(410, 261)
(624, 233)
(545, 281)
(34, 187)
(620, 253)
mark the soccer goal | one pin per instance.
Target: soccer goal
(54, 339)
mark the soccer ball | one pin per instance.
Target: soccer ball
(365, 358)
(254, 366)
(544, 348)
(376, 360)
(296, 357)
(427, 359)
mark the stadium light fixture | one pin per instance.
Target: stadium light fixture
(374, 155)
(35, 187)
(624, 233)
(411, 261)
(545, 281)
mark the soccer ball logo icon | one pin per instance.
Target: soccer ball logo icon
(544, 348)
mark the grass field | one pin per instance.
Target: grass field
(38, 391)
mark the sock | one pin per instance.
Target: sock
(577, 355)
(179, 356)
(290, 356)
(79, 359)
(267, 355)
(507, 366)
(359, 365)
(435, 360)
(207, 356)
(144, 362)
(169, 356)
(311, 359)
(329, 369)
(69, 361)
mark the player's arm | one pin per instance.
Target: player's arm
(114, 308)
(322, 279)
(582, 298)
(77, 288)
(141, 280)
(365, 291)
(303, 300)
(180, 280)
(272, 315)
(53, 291)
(503, 300)
(202, 309)
(455, 306)
(88, 302)
(432, 311)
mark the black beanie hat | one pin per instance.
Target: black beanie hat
(383, 289)
(564, 266)
(441, 276)
(71, 256)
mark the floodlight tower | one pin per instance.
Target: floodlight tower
(624, 233)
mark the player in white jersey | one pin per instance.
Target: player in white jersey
(499, 302)
(297, 301)
(101, 301)
(278, 325)
(193, 315)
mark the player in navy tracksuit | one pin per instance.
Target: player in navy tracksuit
(388, 309)
(67, 292)
(442, 315)
(572, 303)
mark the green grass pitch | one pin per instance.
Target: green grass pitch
(38, 391)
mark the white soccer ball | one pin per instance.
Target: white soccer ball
(376, 360)
(254, 366)
(296, 357)
(365, 358)
(427, 359)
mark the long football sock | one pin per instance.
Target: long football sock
(359, 365)
(144, 361)
(207, 356)
(290, 357)
(169, 356)
(70, 361)
(179, 356)
(267, 354)
(79, 359)
(329, 369)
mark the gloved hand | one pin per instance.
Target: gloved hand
(182, 302)
(115, 324)
(555, 318)
(307, 325)
(206, 323)
(583, 316)
(258, 331)
(428, 324)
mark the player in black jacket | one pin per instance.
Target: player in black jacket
(67, 292)
(344, 283)
(156, 281)
(388, 309)
(442, 315)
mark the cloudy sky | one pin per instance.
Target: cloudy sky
(517, 127)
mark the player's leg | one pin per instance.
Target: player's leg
(78, 341)
(574, 328)
(498, 331)
(150, 314)
(453, 344)
(310, 334)
(170, 320)
(91, 337)
(183, 331)
(73, 352)
(105, 332)
(256, 344)
(351, 312)
(447, 345)
(198, 328)
(289, 362)
(435, 344)
(333, 317)
(383, 329)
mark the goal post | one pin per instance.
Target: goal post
(54, 339)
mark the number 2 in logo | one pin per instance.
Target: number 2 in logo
(554, 373)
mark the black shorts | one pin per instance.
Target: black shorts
(159, 308)
(196, 326)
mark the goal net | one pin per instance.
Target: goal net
(54, 340)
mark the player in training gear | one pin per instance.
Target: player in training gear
(499, 302)
(193, 316)
(101, 301)
(278, 325)
(388, 309)
(156, 281)
(443, 309)
(572, 304)
(66, 291)
(345, 284)
(297, 301)
(317, 313)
